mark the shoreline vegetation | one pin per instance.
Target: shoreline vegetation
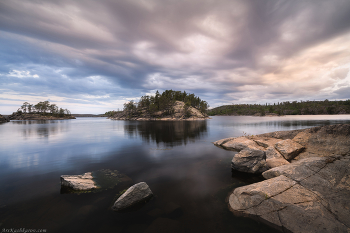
(40, 111)
(325, 107)
(170, 105)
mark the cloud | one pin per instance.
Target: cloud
(103, 53)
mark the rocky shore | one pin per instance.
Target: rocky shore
(179, 113)
(307, 172)
(3, 119)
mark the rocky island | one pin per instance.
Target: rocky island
(307, 172)
(3, 119)
(170, 105)
(41, 111)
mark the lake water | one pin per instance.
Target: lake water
(176, 159)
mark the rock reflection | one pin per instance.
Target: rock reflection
(171, 133)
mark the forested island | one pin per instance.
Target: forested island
(325, 107)
(40, 111)
(170, 105)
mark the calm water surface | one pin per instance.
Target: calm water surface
(176, 159)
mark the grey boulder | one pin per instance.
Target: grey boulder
(250, 160)
(134, 195)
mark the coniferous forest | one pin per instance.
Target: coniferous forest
(285, 108)
(163, 102)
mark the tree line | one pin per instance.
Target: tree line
(163, 102)
(285, 108)
(43, 108)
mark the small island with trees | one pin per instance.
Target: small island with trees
(170, 105)
(41, 111)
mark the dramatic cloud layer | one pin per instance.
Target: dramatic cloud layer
(92, 56)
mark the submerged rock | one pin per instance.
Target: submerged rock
(92, 181)
(134, 195)
(79, 182)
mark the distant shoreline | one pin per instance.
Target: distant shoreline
(275, 115)
(89, 115)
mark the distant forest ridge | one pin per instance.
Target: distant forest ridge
(162, 102)
(285, 108)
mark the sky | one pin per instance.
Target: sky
(93, 56)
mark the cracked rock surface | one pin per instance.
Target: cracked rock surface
(310, 194)
(282, 147)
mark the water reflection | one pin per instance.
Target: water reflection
(32, 122)
(41, 128)
(173, 133)
(197, 177)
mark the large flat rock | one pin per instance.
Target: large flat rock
(312, 195)
(308, 193)
(324, 141)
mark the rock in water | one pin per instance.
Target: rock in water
(134, 195)
(93, 181)
(289, 148)
(250, 160)
(79, 182)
